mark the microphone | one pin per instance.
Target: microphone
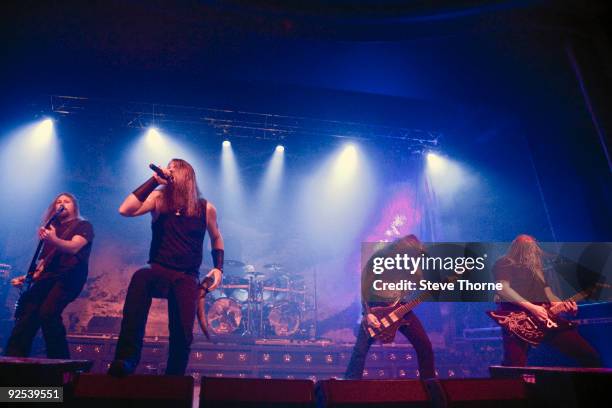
(160, 173)
(60, 209)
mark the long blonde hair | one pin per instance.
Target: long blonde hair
(525, 251)
(183, 193)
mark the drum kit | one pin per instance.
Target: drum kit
(250, 303)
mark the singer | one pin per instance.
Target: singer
(180, 219)
(59, 278)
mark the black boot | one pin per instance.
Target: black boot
(121, 368)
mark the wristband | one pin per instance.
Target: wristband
(217, 258)
(145, 189)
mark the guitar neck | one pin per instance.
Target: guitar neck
(32, 267)
(405, 308)
(576, 298)
(41, 242)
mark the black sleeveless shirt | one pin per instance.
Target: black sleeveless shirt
(178, 240)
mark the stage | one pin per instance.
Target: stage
(287, 359)
(282, 196)
(71, 383)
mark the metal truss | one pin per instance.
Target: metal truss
(240, 124)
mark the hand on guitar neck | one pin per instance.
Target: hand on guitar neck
(563, 306)
(544, 313)
(48, 234)
(49, 237)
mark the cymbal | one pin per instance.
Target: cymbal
(255, 275)
(293, 276)
(231, 263)
(274, 266)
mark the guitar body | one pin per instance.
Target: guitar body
(26, 283)
(527, 327)
(391, 317)
(389, 320)
(30, 277)
(39, 269)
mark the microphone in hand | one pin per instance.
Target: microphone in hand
(161, 173)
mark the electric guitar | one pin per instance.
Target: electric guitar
(37, 265)
(390, 317)
(532, 330)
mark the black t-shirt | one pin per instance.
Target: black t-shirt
(70, 267)
(373, 297)
(522, 279)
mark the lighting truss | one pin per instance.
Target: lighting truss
(228, 123)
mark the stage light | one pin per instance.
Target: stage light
(158, 147)
(348, 157)
(434, 161)
(231, 184)
(153, 137)
(272, 179)
(43, 132)
(343, 179)
(345, 166)
(40, 138)
(447, 177)
(30, 164)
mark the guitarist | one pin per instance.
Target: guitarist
(411, 328)
(524, 287)
(58, 280)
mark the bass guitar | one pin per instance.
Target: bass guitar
(390, 317)
(532, 330)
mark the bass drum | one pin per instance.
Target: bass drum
(284, 318)
(224, 316)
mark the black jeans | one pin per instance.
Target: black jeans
(569, 342)
(42, 307)
(181, 290)
(414, 332)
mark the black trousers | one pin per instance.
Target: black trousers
(42, 307)
(181, 290)
(414, 332)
